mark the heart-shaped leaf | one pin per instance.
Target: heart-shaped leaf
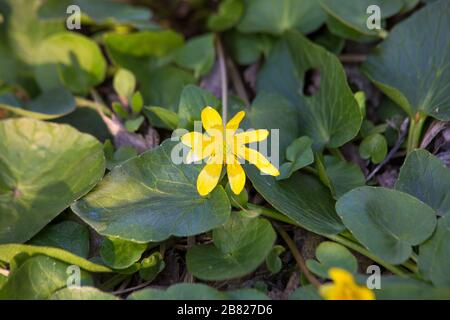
(278, 16)
(228, 14)
(82, 293)
(71, 60)
(120, 254)
(425, 177)
(331, 115)
(374, 147)
(298, 155)
(388, 222)
(302, 198)
(411, 67)
(434, 260)
(51, 104)
(150, 198)
(344, 176)
(44, 167)
(239, 247)
(332, 255)
(67, 235)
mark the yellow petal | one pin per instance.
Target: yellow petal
(251, 136)
(209, 176)
(233, 124)
(256, 158)
(211, 119)
(199, 144)
(191, 139)
(236, 176)
(341, 276)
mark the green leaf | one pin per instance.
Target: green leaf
(273, 261)
(228, 14)
(238, 201)
(37, 278)
(181, 291)
(67, 235)
(302, 197)
(299, 154)
(411, 67)
(387, 222)
(352, 14)
(120, 156)
(239, 247)
(71, 60)
(434, 261)
(332, 255)
(99, 11)
(120, 110)
(137, 102)
(9, 251)
(169, 118)
(197, 54)
(331, 116)
(44, 167)
(278, 16)
(120, 254)
(396, 288)
(343, 176)
(247, 48)
(133, 125)
(192, 101)
(262, 115)
(51, 104)
(150, 198)
(124, 83)
(374, 147)
(246, 294)
(82, 293)
(425, 177)
(308, 292)
(151, 266)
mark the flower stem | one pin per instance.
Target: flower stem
(415, 132)
(270, 213)
(297, 256)
(223, 79)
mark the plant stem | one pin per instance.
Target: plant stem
(337, 153)
(310, 170)
(320, 166)
(297, 256)
(337, 238)
(415, 132)
(358, 248)
(85, 103)
(411, 266)
(223, 79)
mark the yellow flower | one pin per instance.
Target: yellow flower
(344, 287)
(221, 145)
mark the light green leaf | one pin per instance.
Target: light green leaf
(137, 102)
(387, 222)
(44, 167)
(425, 177)
(133, 125)
(374, 147)
(331, 116)
(239, 247)
(124, 83)
(37, 278)
(71, 60)
(82, 293)
(120, 156)
(434, 261)
(9, 251)
(298, 155)
(228, 14)
(411, 67)
(197, 54)
(151, 266)
(51, 104)
(302, 197)
(278, 16)
(273, 261)
(120, 254)
(150, 198)
(332, 255)
(169, 118)
(67, 235)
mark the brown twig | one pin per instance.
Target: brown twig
(352, 58)
(297, 256)
(142, 285)
(398, 144)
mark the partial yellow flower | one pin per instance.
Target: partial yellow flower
(221, 145)
(344, 287)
